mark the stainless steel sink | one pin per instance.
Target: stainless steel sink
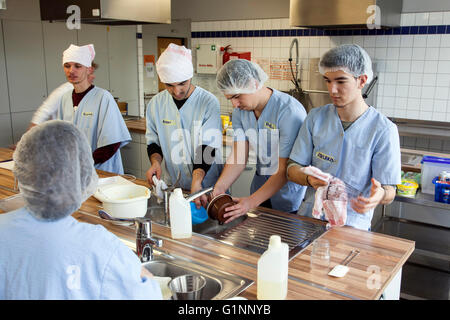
(155, 211)
(219, 285)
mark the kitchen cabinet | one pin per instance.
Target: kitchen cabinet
(134, 156)
(5, 130)
(4, 99)
(131, 156)
(426, 273)
(20, 122)
(123, 69)
(57, 38)
(25, 63)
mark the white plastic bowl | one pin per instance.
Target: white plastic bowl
(125, 201)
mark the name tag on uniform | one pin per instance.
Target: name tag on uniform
(270, 125)
(168, 122)
(325, 157)
(88, 114)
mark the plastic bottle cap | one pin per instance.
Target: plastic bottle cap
(274, 241)
(177, 192)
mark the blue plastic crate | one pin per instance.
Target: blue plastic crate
(442, 191)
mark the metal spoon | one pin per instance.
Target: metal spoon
(107, 216)
(341, 269)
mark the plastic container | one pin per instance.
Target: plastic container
(431, 167)
(198, 215)
(125, 201)
(273, 268)
(180, 215)
(407, 188)
(442, 191)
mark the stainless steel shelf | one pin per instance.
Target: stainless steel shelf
(424, 199)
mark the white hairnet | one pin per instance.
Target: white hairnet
(55, 169)
(175, 64)
(240, 76)
(349, 58)
(83, 55)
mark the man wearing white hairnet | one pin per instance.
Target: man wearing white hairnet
(183, 126)
(44, 252)
(267, 121)
(348, 139)
(93, 110)
(47, 110)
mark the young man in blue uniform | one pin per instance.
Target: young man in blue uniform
(93, 110)
(266, 120)
(183, 126)
(348, 139)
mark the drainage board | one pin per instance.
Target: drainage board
(254, 232)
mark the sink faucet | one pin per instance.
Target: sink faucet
(144, 240)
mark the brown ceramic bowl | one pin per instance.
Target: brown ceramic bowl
(216, 207)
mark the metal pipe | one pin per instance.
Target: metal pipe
(294, 41)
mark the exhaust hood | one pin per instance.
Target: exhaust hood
(334, 14)
(107, 12)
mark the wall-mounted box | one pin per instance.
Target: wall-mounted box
(208, 58)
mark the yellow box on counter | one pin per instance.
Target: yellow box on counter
(407, 188)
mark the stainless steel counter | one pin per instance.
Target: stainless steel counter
(422, 128)
(424, 199)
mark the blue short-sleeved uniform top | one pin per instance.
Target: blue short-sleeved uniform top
(180, 132)
(272, 136)
(369, 148)
(66, 259)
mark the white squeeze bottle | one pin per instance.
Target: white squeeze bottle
(180, 215)
(273, 265)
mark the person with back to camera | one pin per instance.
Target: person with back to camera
(348, 139)
(44, 252)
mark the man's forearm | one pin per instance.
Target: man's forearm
(155, 157)
(197, 177)
(294, 174)
(389, 194)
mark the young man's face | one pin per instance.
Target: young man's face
(179, 90)
(343, 87)
(245, 102)
(76, 73)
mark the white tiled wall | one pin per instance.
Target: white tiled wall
(414, 70)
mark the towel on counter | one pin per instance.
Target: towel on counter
(158, 188)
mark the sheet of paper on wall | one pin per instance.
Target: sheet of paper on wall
(8, 165)
(149, 65)
(150, 69)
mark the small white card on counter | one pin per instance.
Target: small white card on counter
(339, 271)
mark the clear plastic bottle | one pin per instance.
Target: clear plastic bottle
(273, 266)
(180, 215)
